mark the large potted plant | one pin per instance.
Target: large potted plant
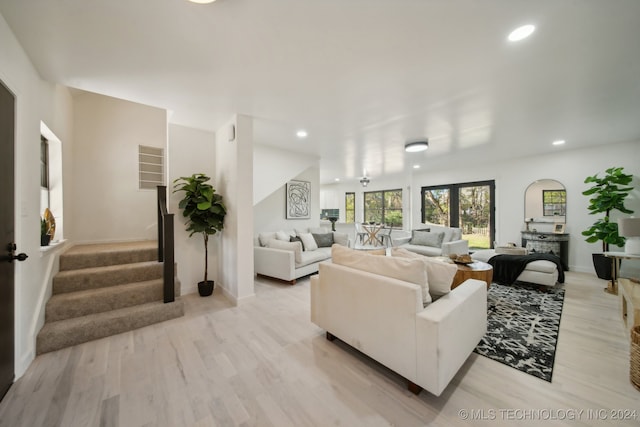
(205, 214)
(607, 194)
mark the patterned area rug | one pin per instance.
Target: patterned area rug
(522, 330)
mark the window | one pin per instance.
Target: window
(151, 167)
(350, 207)
(554, 202)
(469, 206)
(383, 207)
(44, 173)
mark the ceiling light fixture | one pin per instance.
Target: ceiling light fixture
(558, 142)
(416, 146)
(416, 166)
(365, 181)
(202, 1)
(302, 134)
(521, 33)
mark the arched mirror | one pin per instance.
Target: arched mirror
(545, 200)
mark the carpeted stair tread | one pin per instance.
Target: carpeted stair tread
(91, 301)
(99, 277)
(99, 255)
(68, 332)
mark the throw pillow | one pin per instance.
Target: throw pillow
(281, 235)
(427, 238)
(296, 239)
(265, 237)
(295, 247)
(308, 241)
(324, 240)
(341, 238)
(408, 270)
(439, 273)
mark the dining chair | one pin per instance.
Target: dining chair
(361, 234)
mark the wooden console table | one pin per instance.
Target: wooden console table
(630, 302)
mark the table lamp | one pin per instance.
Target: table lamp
(630, 229)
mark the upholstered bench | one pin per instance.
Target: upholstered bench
(540, 272)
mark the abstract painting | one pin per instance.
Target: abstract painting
(298, 200)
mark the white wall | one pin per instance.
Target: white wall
(106, 202)
(273, 166)
(36, 101)
(191, 151)
(234, 176)
(270, 213)
(569, 167)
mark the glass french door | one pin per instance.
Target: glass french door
(469, 206)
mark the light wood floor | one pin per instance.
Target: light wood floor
(265, 364)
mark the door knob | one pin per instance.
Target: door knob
(20, 257)
(11, 247)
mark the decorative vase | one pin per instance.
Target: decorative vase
(45, 239)
(205, 288)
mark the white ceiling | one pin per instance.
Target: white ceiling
(361, 76)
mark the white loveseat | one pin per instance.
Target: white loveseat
(434, 240)
(275, 256)
(383, 316)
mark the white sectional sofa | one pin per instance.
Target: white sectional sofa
(277, 257)
(434, 240)
(375, 304)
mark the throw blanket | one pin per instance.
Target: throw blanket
(507, 268)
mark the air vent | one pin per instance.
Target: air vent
(151, 167)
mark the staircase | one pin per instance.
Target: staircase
(103, 290)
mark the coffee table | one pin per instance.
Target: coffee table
(475, 270)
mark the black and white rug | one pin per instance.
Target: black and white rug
(522, 330)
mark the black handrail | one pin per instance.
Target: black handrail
(166, 245)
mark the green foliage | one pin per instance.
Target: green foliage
(608, 194)
(202, 207)
(44, 227)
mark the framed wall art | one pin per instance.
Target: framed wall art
(298, 200)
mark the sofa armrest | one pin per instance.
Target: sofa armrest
(277, 263)
(447, 331)
(455, 247)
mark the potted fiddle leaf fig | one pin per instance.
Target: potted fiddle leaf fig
(205, 213)
(607, 194)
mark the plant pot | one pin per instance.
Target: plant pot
(45, 239)
(603, 265)
(205, 288)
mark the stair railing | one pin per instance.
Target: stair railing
(166, 245)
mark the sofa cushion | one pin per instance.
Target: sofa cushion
(295, 247)
(264, 237)
(427, 238)
(341, 238)
(408, 270)
(296, 239)
(311, 257)
(439, 273)
(423, 250)
(308, 241)
(451, 234)
(283, 235)
(324, 240)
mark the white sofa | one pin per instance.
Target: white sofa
(290, 262)
(425, 241)
(384, 318)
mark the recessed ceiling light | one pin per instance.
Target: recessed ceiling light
(521, 33)
(416, 166)
(202, 1)
(416, 146)
(559, 142)
(301, 134)
(337, 179)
